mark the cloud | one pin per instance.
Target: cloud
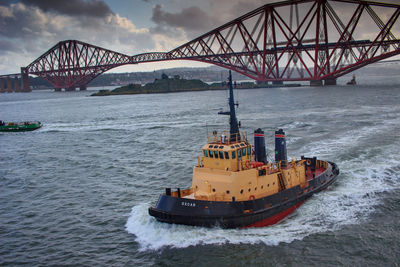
(192, 18)
(6, 46)
(228, 10)
(93, 8)
(27, 31)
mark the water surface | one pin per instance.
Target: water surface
(76, 192)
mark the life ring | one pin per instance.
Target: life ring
(308, 162)
(251, 197)
(247, 164)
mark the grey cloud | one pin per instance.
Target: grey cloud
(192, 19)
(7, 46)
(26, 23)
(195, 21)
(94, 8)
(32, 30)
(168, 31)
(21, 24)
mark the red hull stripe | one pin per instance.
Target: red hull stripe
(279, 136)
(275, 218)
(258, 135)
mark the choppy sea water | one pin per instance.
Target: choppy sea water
(76, 192)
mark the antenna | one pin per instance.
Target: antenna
(234, 125)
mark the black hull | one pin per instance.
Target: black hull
(252, 213)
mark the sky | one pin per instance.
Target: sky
(28, 28)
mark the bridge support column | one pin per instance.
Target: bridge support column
(277, 83)
(2, 89)
(25, 81)
(9, 85)
(316, 83)
(16, 84)
(330, 81)
(262, 83)
(83, 88)
(69, 89)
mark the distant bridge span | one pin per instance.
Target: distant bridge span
(297, 40)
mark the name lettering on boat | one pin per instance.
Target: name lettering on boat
(188, 204)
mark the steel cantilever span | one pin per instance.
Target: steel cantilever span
(298, 40)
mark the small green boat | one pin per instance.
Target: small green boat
(19, 126)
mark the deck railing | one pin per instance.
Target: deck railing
(225, 137)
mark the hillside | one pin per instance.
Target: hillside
(163, 85)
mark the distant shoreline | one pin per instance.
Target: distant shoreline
(176, 84)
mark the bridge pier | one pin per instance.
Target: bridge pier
(262, 83)
(83, 88)
(277, 83)
(330, 81)
(70, 89)
(316, 83)
(2, 89)
(16, 85)
(25, 81)
(326, 82)
(9, 85)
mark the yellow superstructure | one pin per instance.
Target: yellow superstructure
(226, 171)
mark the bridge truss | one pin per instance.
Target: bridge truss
(297, 40)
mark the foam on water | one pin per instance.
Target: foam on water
(349, 202)
(116, 124)
(353, 138)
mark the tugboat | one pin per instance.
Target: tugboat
(234, 186)
(19, 126)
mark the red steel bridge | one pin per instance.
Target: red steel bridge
(297, 40)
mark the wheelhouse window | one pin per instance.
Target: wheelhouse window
(210, 153)
(239, 153)
(221, 154)
(216, 154)
(233, 154)
(244, 152)
(205, 153)
(249, 150)
(226, 155)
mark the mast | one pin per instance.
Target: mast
(233, 122)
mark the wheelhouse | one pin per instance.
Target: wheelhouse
(223, 153)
